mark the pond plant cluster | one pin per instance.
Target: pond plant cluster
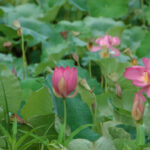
(74, 75)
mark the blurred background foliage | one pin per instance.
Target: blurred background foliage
(52, 26)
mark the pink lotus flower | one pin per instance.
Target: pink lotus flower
(138, 106)
(140, 75)
(64, 81)
(107, 42)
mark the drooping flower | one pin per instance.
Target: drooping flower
(140, 76)
(64, 81)
(138, 106)
(107, 43)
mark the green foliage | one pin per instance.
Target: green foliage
(62, 33)
(10, 90)
(108, 8)
(43, 102)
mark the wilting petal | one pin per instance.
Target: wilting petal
(95, 48)
(146, 62)
(134, 73)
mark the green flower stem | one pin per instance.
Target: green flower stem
(143, 13)
(90, 71)
(102, 78)
(95, 110)
(106, 86)
(24, 57)
(65, 119)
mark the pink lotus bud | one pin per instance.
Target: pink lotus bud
(138, 106)
(64, 81)
(14, 71)
(118, 90)
(75, 57)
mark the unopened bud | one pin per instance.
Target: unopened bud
(16, 23)
(138, 106)
(75, 57)
(118, 90)
(14, 71)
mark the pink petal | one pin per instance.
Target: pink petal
(98, 40)
(106, 41)
(95, 49)
(114, 51)
(146, 62)
(134, 73)
(70, 75)
(139, 83)
(147, 90)
(115, 41)
(57, 75)
(141, 95)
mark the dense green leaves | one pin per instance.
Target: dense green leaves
(143, 50)
(43, 102)
(62, 33)
(10, 91)
(108, 8)
(81, 144)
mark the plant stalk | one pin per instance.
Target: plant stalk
(90, 70)
(65, 119)
(143, 13)
(24, 56)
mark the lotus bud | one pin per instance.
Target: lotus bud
(75, 57)
(14, 71)
(16, 23)
(138, 106)
(64, 81)
(118, 90)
